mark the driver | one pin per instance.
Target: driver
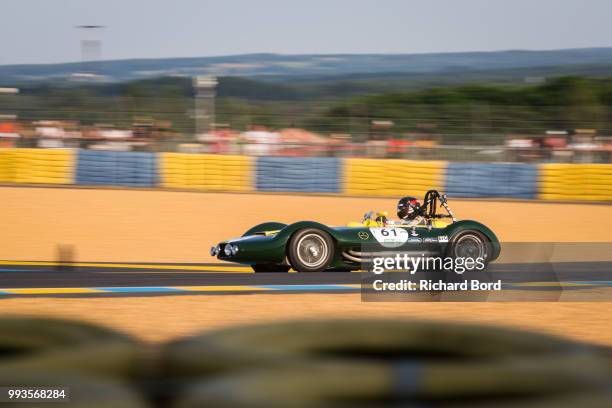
(409, 211)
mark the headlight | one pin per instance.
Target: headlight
(228, 250)
(213, 251)
(234, 249)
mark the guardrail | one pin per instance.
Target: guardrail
(356, 177)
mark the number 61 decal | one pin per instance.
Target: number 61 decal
(390, 237)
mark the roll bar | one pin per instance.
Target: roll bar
(430, 205)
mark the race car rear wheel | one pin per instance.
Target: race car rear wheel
(270, 268)
(470, 244)
(310, 250)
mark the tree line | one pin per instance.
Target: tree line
(482, 111)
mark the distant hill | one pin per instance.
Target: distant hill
(316, 68)
(289, 88)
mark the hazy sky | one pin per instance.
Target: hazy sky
(42, 31)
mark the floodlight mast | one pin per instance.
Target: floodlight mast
(204, 103)
(91, 49)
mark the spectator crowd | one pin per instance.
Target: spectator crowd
(146, 134)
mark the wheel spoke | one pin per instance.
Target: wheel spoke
(312, 250)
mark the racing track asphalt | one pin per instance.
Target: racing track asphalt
(91, 279)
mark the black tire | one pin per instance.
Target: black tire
(42, 344)
(259, 268)
(469, 243)
(310, 250)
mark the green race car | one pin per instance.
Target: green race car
(309, 246)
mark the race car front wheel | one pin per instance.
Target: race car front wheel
(310, 250)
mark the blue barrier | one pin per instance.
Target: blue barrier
(136, 169)
(513, 180)
(305, 174)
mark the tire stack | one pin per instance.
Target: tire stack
(133, 169)
(378, 363)
(334, 363)
(511, 180)
(99, 366)
(299, 174)
(43, 166)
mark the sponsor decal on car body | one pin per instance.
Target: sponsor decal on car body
(363, 235)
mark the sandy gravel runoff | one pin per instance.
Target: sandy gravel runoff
(163, 226)
(165, 317)
(160, 226)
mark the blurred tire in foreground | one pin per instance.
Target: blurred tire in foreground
(44, 345)
(344, 363)
(334, 363)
